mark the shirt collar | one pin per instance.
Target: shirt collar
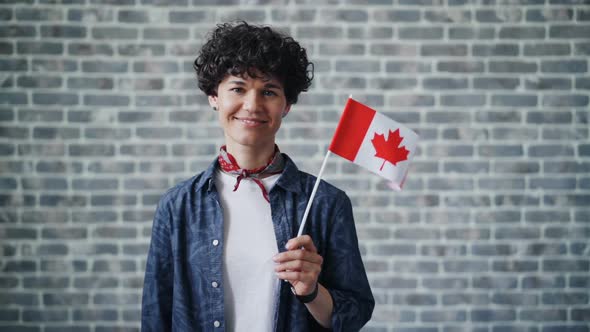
(206, 178)
(288, 180)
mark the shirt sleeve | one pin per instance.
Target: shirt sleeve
(343, 272)
(156, 309)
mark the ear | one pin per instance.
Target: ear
(212, 101)
(286, 111)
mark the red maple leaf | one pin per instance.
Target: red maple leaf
(389, 150)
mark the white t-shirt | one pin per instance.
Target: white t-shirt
(249, 281)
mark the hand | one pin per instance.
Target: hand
(300, 265)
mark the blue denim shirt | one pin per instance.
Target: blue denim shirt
(186, 256)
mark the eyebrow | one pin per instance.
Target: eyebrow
(272, 85)
(266, 85)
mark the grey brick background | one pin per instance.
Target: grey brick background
(100, 114)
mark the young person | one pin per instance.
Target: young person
(223, 253)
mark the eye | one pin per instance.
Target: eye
(269, 93)
(237, 89)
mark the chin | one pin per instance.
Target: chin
(251, 142)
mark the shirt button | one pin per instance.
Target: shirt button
(216, 323)
(214, 284)
(215, 242)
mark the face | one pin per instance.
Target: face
(250, 110)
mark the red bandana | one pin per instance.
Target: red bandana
(228, 164)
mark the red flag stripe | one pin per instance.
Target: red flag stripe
(352, 129)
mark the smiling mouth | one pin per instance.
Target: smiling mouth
(249, 121)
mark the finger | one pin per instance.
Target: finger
(303, 255)
(303, 241)
(298, 255)
(297, 276)
(298, 265)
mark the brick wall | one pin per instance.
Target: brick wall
(99, 114)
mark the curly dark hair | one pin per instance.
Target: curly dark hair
(240, 48)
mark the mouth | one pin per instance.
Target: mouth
(250, 121)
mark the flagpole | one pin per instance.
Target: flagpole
(315, 188)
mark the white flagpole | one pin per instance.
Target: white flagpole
(315, 188)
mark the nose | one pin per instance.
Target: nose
(251, 102)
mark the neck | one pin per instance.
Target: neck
(249, 157)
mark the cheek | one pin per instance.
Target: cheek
(221, 118)
(278, 121)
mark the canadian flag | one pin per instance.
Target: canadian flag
(375, 142)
